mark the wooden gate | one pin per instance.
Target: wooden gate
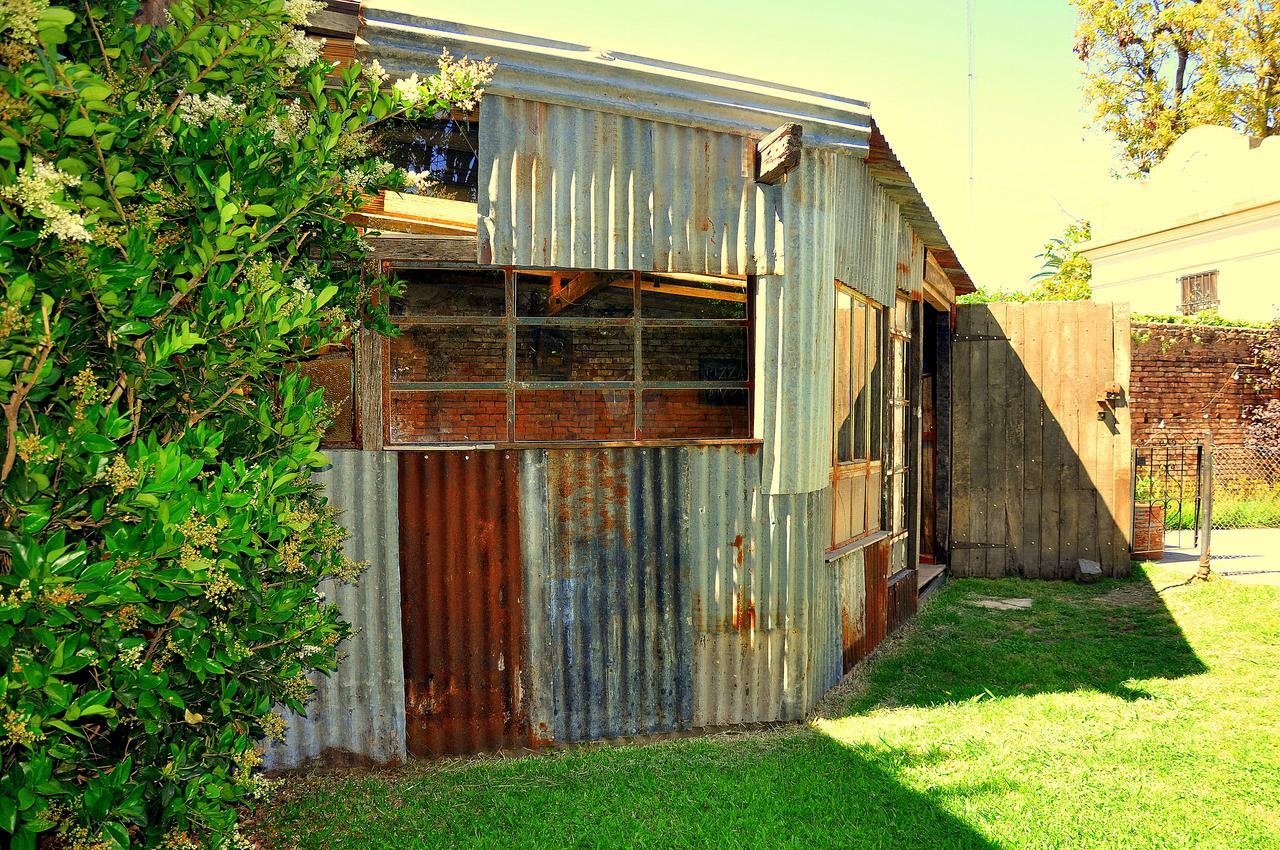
(1041, 446)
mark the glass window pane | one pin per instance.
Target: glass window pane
(334, 373)
(578, 294)
(446, 148)
(876, 369)
(694, 354)
(443, 416)
(449, 353)
(843, 409)
(899, 436)
(842, 511)
(450, 292)
(875, 497)
(899, 502)
(575, 354)
(902, 316)
(858, 503)
(695, 414)
(900, 369)
(553, 415)
(859, 380)
(692, 297)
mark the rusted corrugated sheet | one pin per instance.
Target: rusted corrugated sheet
(902, 594)
(852, 575)
(608, 592)
(793, 338)
(357, 716)
(876, 609)
(462, 586)
(764, 603)
(909, 268)
(576, 188)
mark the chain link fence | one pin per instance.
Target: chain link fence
(1246, 487)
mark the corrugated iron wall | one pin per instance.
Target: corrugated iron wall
(902, 600)
(358, 713)
(576, 188)
(793, 332)
(463, 608)
(608, 592)
(852, 576)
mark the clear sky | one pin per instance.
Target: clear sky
(1035, 165)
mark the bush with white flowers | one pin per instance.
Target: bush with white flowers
(172, 240)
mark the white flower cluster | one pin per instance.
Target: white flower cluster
(308, 273)
(284, 127)
(419, 182)
(300, 11)
(375, 72)
(37, 190)
(199, 110)
(302, 51)
(360, 178)
(461, 82)
(18, 18)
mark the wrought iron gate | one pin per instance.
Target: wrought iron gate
(1169, 496)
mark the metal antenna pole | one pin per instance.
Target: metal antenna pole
(971, 28)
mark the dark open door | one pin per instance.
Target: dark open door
(1041, 445)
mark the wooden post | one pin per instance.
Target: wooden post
(778, 153)
(1206, 511)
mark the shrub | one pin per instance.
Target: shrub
(172, 240)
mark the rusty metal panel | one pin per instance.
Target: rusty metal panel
(578, 188)
(902, 600)
(909, 268)
(766, 642)
(876, 610)
(462, 585)
(851, 570)
(794, 337)
(608, 599)
(357, 715)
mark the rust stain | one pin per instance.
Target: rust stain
(737, 545)
(744, 613)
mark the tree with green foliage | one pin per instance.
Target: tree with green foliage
(1156, 68)
(172, 243)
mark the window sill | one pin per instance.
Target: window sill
(854, 545)
(749, 443)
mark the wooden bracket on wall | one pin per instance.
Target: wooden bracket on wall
(778, 153)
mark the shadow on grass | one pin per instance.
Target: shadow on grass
(789, 788)
(1103, 638)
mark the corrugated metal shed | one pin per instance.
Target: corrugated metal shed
(578, 188)
(608, 593)
(851, 571)
(793, 337)
(358, 713)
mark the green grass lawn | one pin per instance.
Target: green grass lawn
(1121, 715)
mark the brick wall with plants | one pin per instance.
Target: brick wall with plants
(1186, 379)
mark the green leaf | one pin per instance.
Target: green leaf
(97, 443)
(80, 127)
(258, 210)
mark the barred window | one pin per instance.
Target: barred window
(1199, 291)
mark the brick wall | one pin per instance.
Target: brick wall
(1182, 375)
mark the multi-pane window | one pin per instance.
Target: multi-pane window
(900, 411)
(858, 423)
(529, 355)
(1199, 292)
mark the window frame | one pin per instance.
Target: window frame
(871, 468)
(1189, 307)
(513, 323)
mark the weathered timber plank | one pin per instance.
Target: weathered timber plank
(1031, 409)
(962, 447)
(1014, 326)
(1052, 439)
(440, 249)
(997, 355)
(1089, 383)
(779, 153)
(369, 390)
(1122, 446)
(980, 429)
